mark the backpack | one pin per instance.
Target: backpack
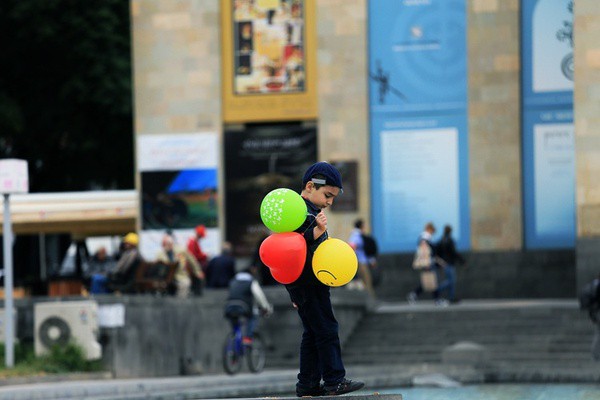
(588, 296)
(423, 256)
(369, 245)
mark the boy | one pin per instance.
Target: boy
(320, 353)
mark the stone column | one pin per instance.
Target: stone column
(587, 137)
(343, 98)
(494, 125)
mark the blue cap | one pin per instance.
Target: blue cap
(331, 174)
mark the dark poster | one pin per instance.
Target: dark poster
(347, 201)
(258, 159)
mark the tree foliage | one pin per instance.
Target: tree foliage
(65, 92)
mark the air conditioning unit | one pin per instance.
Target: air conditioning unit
(58, 323)
(2, 325)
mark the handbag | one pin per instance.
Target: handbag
(429, 281)
(422, 258)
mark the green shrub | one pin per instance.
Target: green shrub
(60, 359)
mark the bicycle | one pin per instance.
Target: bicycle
(234, 351)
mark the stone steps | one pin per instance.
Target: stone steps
(553, 334)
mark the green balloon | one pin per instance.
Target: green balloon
(283, 210)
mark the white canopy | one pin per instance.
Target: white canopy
(112, 212)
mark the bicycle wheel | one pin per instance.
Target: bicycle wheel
(232, 359)
(256, 354)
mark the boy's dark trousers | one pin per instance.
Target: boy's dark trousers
(320, 352)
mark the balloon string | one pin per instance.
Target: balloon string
(311, 224)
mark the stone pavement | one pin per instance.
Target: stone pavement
(272, 383)
(265, 384)
(280, 382)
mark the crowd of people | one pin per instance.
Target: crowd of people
(194, 270)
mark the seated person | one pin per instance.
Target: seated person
(187, 269)
(122, 279)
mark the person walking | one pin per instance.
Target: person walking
(426, 239)
(446, 250)
(357, 242)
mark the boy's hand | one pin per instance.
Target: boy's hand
(321, 220)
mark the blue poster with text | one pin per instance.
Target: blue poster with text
(547, 124)
(418, 120)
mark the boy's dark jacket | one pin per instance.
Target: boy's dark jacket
(306, 229)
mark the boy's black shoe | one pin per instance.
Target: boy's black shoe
(313, 392)
(345, 386)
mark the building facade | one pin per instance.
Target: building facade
(181, 76)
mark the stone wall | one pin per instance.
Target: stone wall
(490, 275)
(176, 60)
(343, 100)
(167, 336)
(587, 137)
(494, 124)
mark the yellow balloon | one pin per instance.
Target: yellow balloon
(334, 262)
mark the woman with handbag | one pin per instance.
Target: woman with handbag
(427, 264)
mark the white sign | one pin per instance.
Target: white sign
(552, 58)
(554, 181)
(177, 151)
(150, 241)
(14, 177)
(111, 315)
(419, 173)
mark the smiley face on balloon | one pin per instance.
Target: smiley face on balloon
(334, 263)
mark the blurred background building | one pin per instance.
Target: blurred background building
(480, 114)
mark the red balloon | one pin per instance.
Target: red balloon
(284, 254)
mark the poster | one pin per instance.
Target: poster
(348, 200)
(549, 177)
(268, 47)
(547, 124)
(179, 189)
(423, 177)
(417, 55)
(548, 68)
(258, 159)
(418, 113)
(554, 170)
(269, 60)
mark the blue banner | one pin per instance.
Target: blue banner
(418, 109)
(417, 55)
(420, 174)
(549, 178)
(547, 124)
(547, 52)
